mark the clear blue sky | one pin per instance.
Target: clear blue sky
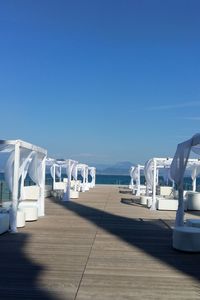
(100, 80)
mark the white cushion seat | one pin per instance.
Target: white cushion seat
(186, 238)
(20, 218)
(31, 213)
(74, 194)
(30, 209)
(144, 199)
(4, 222)
(167, 204)
(149, 202)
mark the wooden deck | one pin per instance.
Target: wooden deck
(101, 246)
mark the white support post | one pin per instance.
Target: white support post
(15, 189)
(180, 211)
(66, 196)
(60, 179)
(153, 207)
(84, 175)
(76, 175)
(139, 169)
(194, 184)
(157, 176)
(41, 207)
(54, 176)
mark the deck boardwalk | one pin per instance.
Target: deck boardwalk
(101, 246)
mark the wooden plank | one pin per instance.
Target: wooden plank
(97, 247)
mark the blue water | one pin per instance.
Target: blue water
(100, 179)
(115, 179)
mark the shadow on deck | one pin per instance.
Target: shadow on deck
(19, 275)
(151, 236)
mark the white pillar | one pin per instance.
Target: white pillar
(138, 181)
(54, 175)
(66, 196)
(86, 178)
(41, 206)
(60, 172)
(194, 184)
(180, 211)
(15, 189)
(153, 207)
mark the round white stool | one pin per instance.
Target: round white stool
(31, 213)
(20, 218)
(143, 200)
(186, 238)
(193, 201)
(74, 194)
(149, 202)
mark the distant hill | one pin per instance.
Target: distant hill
(120, 168)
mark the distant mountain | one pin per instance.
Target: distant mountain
(120, 168)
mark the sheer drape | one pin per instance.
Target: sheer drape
(177, 171)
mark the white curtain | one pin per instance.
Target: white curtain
(8, 171)
(148, 172)
(92, 173)
(74, 172)
(69, 167)
(9, 174)
(177, 170)
(23, 171)
(58, 171)
(131, 175)
(82, 170)
(36, 172)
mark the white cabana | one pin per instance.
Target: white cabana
(178, 168)
(185, 237)
(92, 173)
(56, 171)
(19, 159)
(193, 166)
(63, 186)
(152, 174)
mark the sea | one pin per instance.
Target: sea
(122, 180)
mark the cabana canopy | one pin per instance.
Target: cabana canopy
(177, 170)
(57, 168)
(22, 158)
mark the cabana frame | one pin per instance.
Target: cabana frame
(17, 146)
